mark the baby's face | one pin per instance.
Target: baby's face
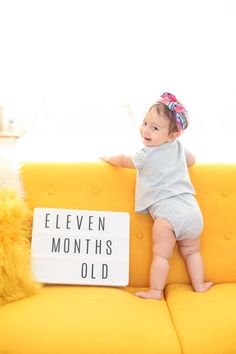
(155, 129)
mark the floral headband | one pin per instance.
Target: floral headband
(181, 114)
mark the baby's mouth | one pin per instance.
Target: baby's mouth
(146, 139)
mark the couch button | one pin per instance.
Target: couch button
(225, 194)
(95, 190)
(140, 236)
(227, 236)
(50, 191)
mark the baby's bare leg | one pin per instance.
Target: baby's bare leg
(190, 251)
(163, 245)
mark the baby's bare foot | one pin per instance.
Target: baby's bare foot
(203, 287)
(150, 294)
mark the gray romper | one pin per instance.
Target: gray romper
(164, 188)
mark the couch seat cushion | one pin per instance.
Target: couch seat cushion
(205, 322)
(74, 319)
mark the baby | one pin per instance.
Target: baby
(164, 189)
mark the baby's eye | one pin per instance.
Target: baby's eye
(154, 128)
(144, 123)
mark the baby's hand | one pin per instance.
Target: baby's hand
(103, 158)
(119, 161)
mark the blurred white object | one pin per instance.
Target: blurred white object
(10, 172)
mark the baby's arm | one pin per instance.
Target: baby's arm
(119, 161)
(190, 158)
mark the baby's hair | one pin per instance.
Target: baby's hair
(165, 112)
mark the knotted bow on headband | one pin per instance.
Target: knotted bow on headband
(175, 106)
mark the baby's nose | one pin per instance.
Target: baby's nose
(147, 130)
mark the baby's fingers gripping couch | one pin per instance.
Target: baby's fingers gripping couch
(75, 319)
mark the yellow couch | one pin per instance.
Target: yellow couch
(87, 319)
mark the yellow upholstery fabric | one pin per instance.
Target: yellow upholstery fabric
(70, 319)
(76, 319)
(205, 323)
(93, 186)
(16, 280)
(99, 186)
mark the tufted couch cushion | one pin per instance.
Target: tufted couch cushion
(99, 186)
(205, 323)
(104, 320)
(69, 319)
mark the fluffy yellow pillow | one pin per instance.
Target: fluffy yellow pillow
(16, 280)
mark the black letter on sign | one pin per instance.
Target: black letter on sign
(98, 247)
(46, 221)
(109, 249)
(92, 272)
(79, 221)
(77, 246)
(84, 270)
(66, 245)
(104, 271)
(101, 224)
(57, 220)
(68, 221)
(90, 222)
(56, 247)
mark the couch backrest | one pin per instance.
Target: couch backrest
(99, 186)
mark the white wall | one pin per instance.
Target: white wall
(74, 66)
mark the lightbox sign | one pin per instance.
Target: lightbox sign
(80, 247)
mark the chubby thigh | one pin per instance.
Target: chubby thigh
(182, 212)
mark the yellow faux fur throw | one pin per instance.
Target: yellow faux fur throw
(16, 280)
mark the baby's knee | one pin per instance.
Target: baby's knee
(163, 239)
(163, 250)
(187, 249)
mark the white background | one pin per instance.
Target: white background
(83, 72)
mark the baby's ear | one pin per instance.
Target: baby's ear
(173, 136)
